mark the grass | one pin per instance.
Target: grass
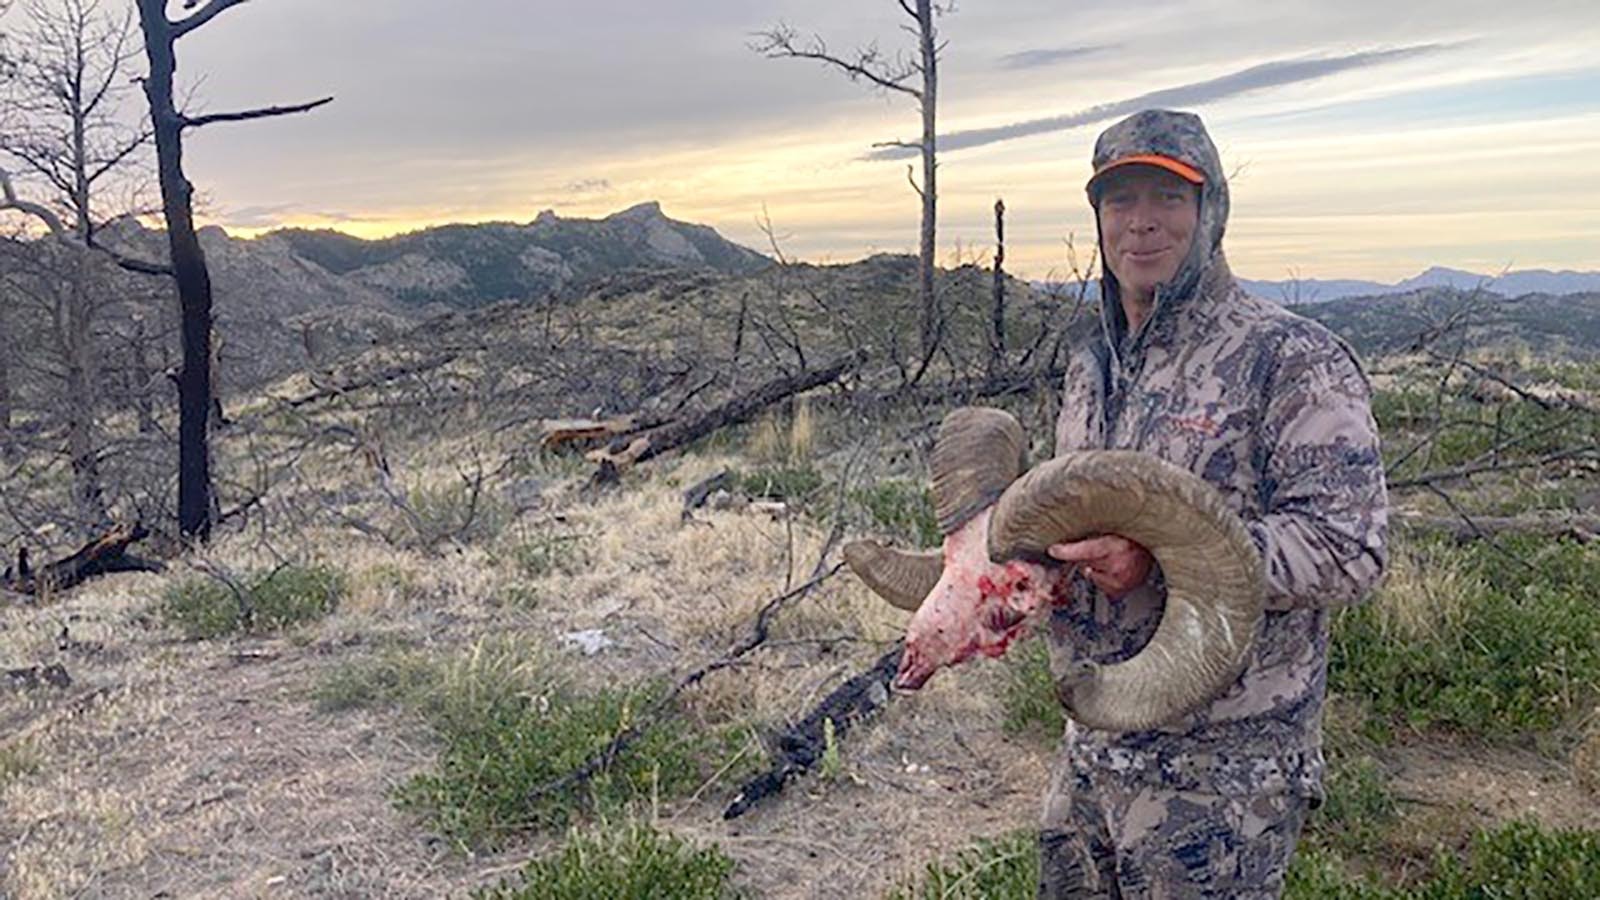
(903, 509)
(17, 761)
(1359, 807)
(1518, 860)
(1000, 869)
(1029, 694)
(792, 484)
(1515, 650)
(509, 726)
(457, 511)
(632, 862)
(262, 602)
(542, 555)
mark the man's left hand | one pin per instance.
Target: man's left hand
(1115, 564)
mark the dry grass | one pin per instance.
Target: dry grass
(1424, 593)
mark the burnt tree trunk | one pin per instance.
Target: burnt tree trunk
(930, 61)
(189, 269)
(997, 347)
(7, 441)
(78, 352)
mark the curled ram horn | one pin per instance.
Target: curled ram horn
(992, 578)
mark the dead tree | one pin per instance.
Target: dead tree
(161, 35)
(997, 343)
(67, 135)
(899, 74)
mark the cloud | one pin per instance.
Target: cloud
(1033, 59)
(264, 216)
(587, 186)
(1268, 74)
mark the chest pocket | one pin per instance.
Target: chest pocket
(1215, 440)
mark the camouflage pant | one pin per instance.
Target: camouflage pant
(1110, 842)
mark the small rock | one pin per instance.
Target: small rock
(590, 641)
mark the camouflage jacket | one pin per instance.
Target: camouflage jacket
(1274, 411)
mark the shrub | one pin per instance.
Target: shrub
(509, 726)
(262, 602)
(1359, 806)
(1522, 654)
(456, 510)
(1519, 860)
(549, 554)
(629, 863)
(999, 869)
(793, 484)
(904, 509)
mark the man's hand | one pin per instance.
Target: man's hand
(1115, 564)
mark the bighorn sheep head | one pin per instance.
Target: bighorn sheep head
(994, 576)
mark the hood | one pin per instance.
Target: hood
(1180, 136)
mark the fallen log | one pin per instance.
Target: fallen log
(628, 451)
(101, 556)
(800, 747)
(37, 676)
(1462, 530)
(556, 433)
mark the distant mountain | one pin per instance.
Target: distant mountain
(1511, 284)
(468, 266)
(276, 311)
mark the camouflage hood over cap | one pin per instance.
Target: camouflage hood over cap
(1180, 136)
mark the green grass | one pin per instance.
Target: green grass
(1517, 861)
(903, 509)
(1028, 694)
(540, 555)
(1359, 807)
(508, 725)
(1519, 654)
(17, 761)
(265, 602)
(1467, 431)
(792, 484)
(633, 862)
(1000, 869)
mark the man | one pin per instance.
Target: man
(1271, 409)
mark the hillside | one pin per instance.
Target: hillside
(1556, 327)
(469, 266)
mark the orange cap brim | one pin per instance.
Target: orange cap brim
(1177, 167)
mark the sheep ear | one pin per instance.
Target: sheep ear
(904, 579)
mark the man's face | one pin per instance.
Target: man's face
(1148, 218)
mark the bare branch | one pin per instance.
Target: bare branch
(10, 200)
(246, 115)
(869, 64)
(207, 13)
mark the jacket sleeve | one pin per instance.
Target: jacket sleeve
(1324, 522)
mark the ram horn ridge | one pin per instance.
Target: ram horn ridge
(1213, 574)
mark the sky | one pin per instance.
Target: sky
(1365, 138)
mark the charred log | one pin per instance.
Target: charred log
(799, 748)
(101, 556)
(629, 450)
